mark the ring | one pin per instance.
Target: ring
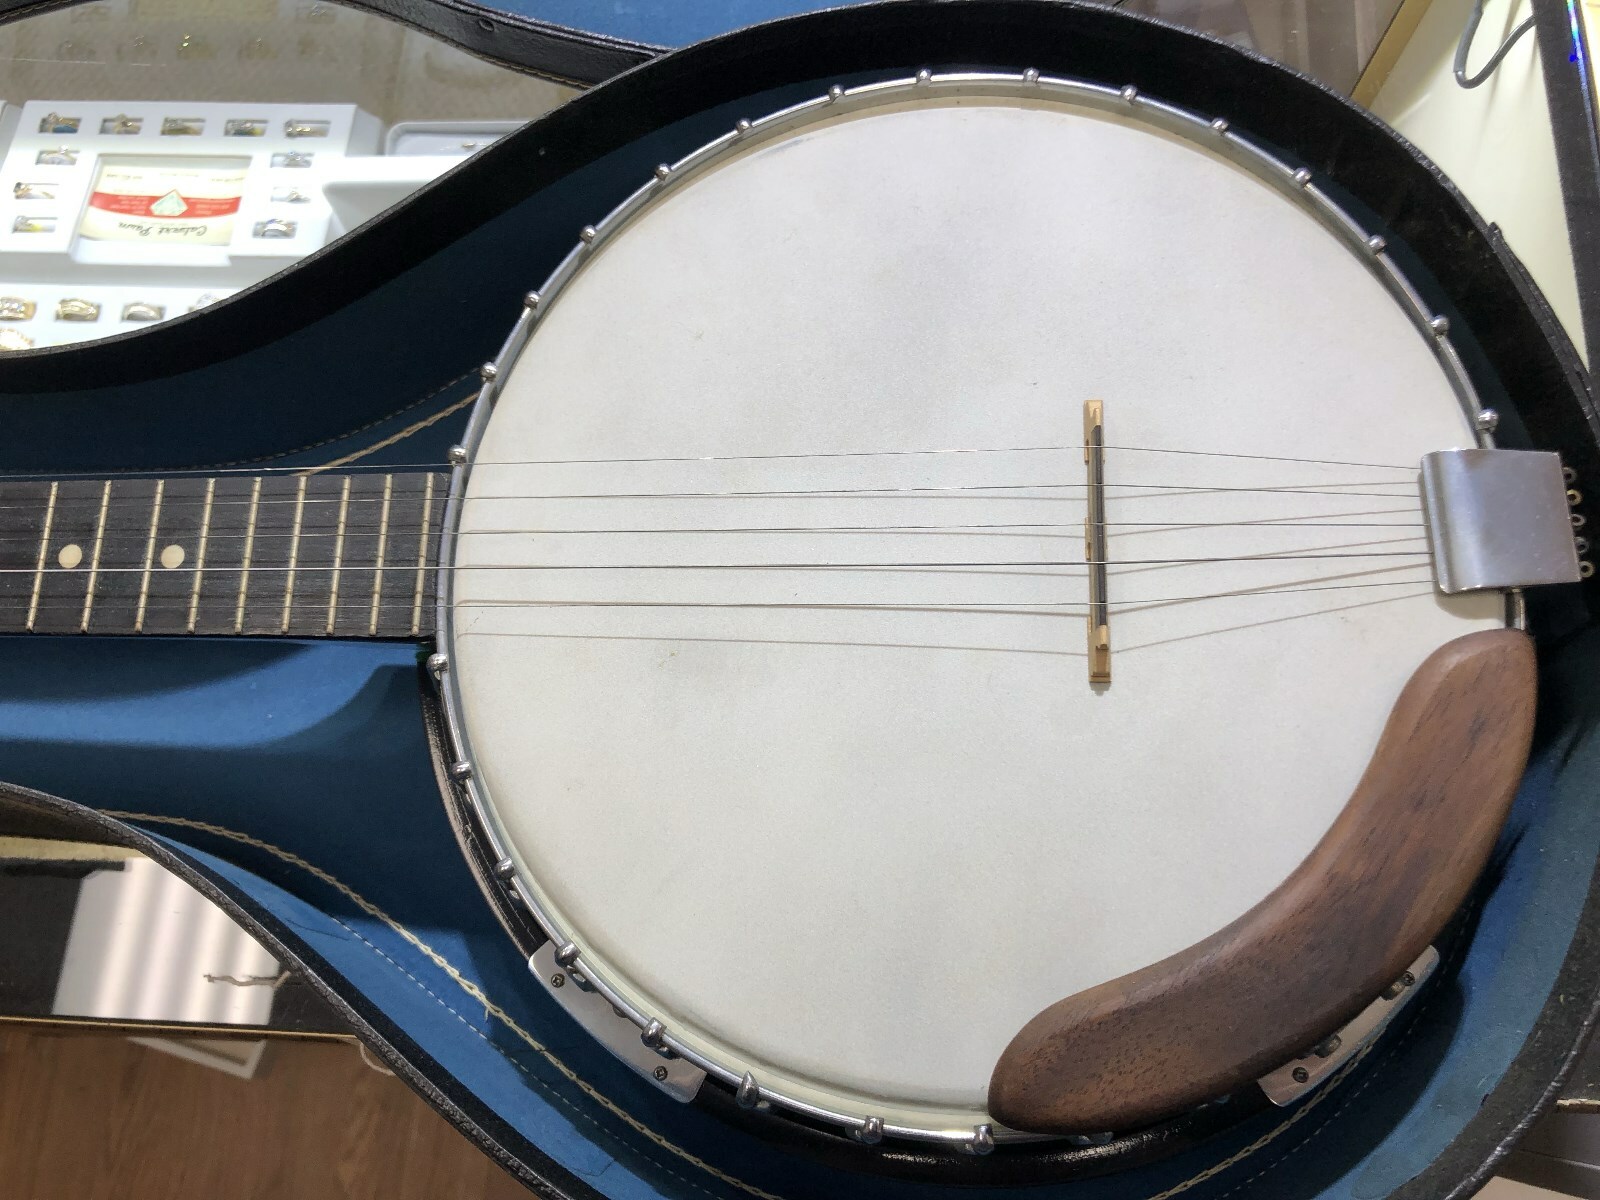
(55, 123)
(31, 191)
(303, 129)
(140, 310)
(275, 227)
(77, 310)
(34, 225)
(15, 308)
(61, 157)
(291, 158)
(122, 123)
(14, 339)
(244, 128)
(182, 127)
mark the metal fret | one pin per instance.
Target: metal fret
(94, 561)
(44, 549)
(294, 550)
(338, 554)
(249, 548)
(424, 539)
(200, 552)
(383, 541)
(149, 557)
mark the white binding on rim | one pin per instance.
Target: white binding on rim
(1289, 180)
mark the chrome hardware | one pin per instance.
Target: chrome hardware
(1293, 1080)
(924, 77)
(1568, 475)
(1031, 75)
(438, 663)
(487, 372)
(1130, 93)
(982, 1141)
(870, 1132)
(742, 125)
(1487, 420)
(1302, 177)
(504, 870)
(662, 171)
(655, 1037)
(749, 1094)
(531, 300)
(587, 233)
(1377, 244)
(457, 455)
(836, 92)
(1585, 569)
(1440, 325)
(461, 771)
(1220, 125)
(1497, 519)
(677, 1077)
(567, 955)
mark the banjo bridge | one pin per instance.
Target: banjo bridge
(1094, 530)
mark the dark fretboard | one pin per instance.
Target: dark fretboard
(283, 554)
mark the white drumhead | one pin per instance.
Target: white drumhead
(853, 849)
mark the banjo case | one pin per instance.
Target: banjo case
(296, 783)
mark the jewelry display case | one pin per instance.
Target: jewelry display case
(156, 158)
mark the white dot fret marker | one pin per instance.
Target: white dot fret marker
(172, 557)
(71, 555)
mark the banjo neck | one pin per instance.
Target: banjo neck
(279, 554)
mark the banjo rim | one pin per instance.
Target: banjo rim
(1294, 182)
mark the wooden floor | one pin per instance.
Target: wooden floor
(95, 1117)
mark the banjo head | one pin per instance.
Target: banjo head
(766, 627)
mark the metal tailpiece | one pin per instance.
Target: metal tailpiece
(1497, 519)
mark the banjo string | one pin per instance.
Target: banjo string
(401, 468)
(1069, 608)
(140, 504)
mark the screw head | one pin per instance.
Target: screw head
(587, 233)
(1488, 420)
(1300, 1074)
(531, 300)
(1302, 177)
(662, 171)
(1376, 244)
(438, 663)
(558, 980)
(661, 1074)
(1407, 979)
(1440, 325)
(457, 455)
(461, 770)
(488, 371)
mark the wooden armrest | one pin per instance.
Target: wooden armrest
(1394, 867)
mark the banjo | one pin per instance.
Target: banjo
(972, 609)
